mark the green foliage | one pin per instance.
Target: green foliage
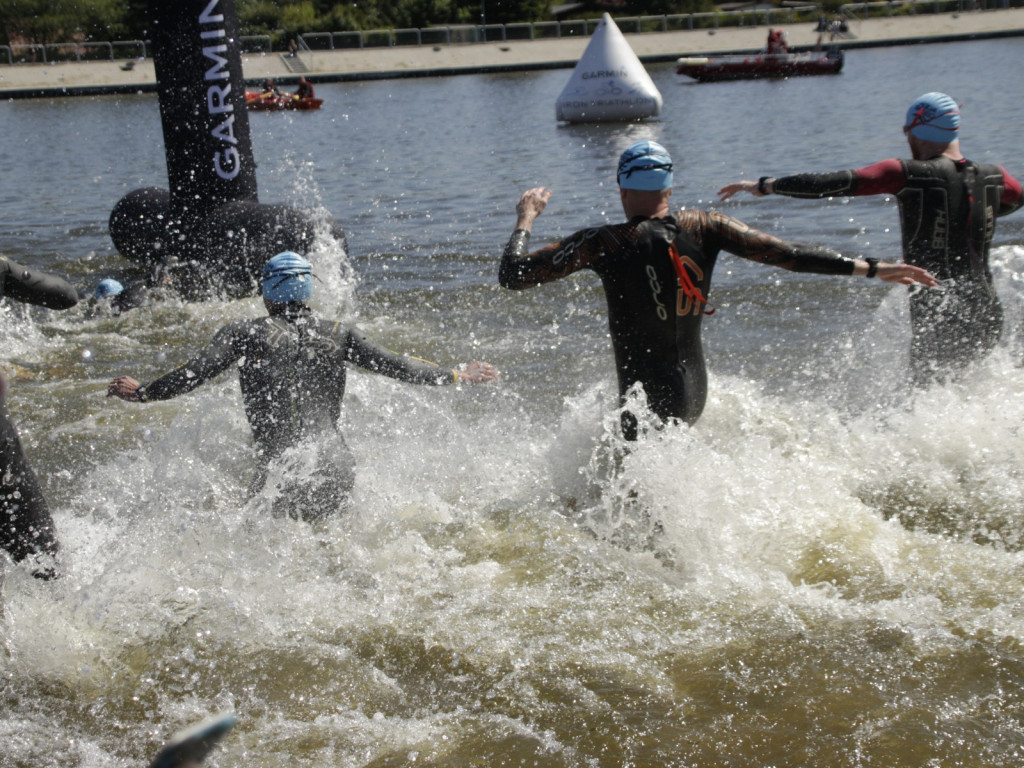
(297, 18)
(668, 7)
(343, 18)
(258, 17)
(831, 7)
(500, 12)
(136, 19)
(48, 21)
(405, 14)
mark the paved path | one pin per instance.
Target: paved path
(82, 78)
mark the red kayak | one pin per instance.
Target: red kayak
(279, 102)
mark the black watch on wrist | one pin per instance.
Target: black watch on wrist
(872, 267)
(761, 185)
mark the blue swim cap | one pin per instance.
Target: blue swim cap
(287, 277)
(645, 165)
(934, 117)
(107, 288)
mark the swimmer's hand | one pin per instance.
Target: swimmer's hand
(739, 186)
(476, 372)
(904, 274)
(125, 388)
(531, 204)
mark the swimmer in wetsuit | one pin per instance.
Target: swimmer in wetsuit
(656, 271)
(26, 526)
(119, 297)
(291, 368)
(948, 208)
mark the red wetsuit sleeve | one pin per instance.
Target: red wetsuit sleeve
(1013, 195)
(884, 178)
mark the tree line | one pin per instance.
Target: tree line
(41, 22)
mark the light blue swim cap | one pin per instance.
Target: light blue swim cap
(934, 117)
(645, 165)
(287, 277)
(107, 288)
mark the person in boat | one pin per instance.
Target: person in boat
(305, 89)
(776, 42)
(948, 208)
(292, 367)
(26, 525)
(270, 88)
(656, 270)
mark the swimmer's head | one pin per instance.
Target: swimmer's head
(647, 166)
(106, 289)
(934, 117)
(287, 278)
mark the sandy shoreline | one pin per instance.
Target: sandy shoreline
(88, 78)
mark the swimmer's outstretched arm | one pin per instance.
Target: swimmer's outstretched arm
(369, 356)
(738, 238)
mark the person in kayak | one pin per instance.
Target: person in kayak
(270, 89)
(292, 367)
(656, 271)
(304, 89)
(26, 525)
(948, 208)
(776, 42)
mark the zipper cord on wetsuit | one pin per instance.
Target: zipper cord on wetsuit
(292, 336)
(969, 181)
(686, 282)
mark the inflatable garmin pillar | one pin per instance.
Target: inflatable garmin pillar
(609, 83)
(209, 228)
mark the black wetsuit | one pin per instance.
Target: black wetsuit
(26, 526)
(291, 369)
(655, 323)
(948, 213)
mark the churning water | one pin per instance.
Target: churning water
(827, 569)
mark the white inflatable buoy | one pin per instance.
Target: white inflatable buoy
(609, 82)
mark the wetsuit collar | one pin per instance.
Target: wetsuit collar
(292, 310)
